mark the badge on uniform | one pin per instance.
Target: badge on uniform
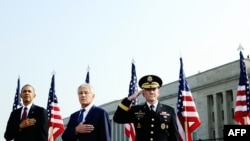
(138, 125)
(163, 126)
(164, 114)
(139, 114)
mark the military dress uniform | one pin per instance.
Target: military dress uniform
(158, 125)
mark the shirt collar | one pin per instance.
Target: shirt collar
(87, 108)
(28, 106)
(155, 105)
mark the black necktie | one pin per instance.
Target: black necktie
(24, 115)
(152, 108)
(80, 118)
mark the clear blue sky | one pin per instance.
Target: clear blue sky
(39, 37)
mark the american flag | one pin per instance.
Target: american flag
(187, 116)
(129, 127)
(56, 126)
(87, 76)
(17, 100)
(242, 106)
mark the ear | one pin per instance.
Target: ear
(21, 95)
(143, 93)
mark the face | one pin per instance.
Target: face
(85, 95)
(151, 95)
(27, 94)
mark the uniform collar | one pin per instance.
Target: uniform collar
(155, 105)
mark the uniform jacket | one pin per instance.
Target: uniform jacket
(37, 132)
(149, 126)
(96, 116)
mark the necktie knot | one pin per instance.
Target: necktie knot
(152, 108)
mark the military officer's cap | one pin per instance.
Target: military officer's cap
(150, 82)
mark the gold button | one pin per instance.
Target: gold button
(152, 132)
(152, 125)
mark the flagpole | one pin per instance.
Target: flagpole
(88, 68)
(53, 72)
(186, 130)
(133, 61)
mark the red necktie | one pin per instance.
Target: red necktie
(24, 116)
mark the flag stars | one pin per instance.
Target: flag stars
(17, 100)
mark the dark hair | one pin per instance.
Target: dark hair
(27, 85)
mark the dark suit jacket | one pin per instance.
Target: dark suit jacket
(98, 117)
(37, 132)
(158, 126)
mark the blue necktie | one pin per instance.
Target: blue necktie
(80, 118)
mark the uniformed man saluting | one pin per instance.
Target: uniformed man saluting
(153, 121)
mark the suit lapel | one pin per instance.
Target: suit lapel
(31, 111)
(90, 113)
(18, 113)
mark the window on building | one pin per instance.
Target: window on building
(233, 113)
(220, 98)
(213, 134)
(222, 115)
(213, 116)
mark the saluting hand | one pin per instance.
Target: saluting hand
(135, 95)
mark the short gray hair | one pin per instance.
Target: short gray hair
(86, 85)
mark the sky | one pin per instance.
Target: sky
(39, 38)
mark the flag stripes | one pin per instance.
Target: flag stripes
(242, 103)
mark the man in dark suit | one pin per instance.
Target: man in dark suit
(91, 123)
(153, 121)
(28, 123)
